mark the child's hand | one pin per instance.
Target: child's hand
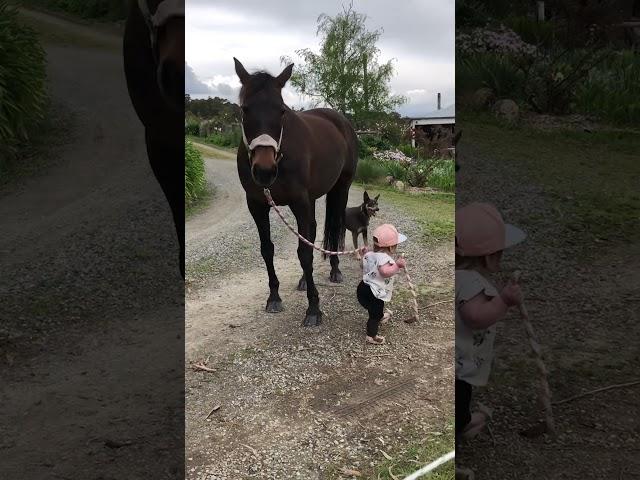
(511, 294)
(401, 262)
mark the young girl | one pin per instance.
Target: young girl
(378, 271)
(481, 237)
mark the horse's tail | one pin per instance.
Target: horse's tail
(334, 223)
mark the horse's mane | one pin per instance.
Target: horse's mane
(259, 80)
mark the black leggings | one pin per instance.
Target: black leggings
(463, 406)
(374, 306)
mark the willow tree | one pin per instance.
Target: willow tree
(346, 74)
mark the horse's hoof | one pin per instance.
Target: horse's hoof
(335, 277)
(302, 285)
(312, 319)
(274, 306)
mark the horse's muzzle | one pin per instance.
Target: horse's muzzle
(264, 177)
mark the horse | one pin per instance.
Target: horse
(316, 154)
(153, 51)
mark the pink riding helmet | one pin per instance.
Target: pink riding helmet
(481, 231)
(386, 235)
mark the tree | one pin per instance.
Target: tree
(346, 75)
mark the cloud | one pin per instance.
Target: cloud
(192, 84)
(418, 35)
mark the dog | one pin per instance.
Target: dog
(357, 219)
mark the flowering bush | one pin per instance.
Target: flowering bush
(503, 40)
(393, 156)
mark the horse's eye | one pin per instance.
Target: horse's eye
(282, 111)
(245, 109)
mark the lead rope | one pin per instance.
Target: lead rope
(267, 194)
(545, 391)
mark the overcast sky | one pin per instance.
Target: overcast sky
(418, 34)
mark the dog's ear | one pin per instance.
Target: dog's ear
(366, 196)
(376, 198)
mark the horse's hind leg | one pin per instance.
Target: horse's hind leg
(302, 284)
(302, 211)
(334, 229)
(260, 213)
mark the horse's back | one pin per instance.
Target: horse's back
(336, 118)
(320, 122)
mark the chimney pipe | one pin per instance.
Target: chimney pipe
(439, 106)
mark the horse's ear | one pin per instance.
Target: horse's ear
(366, 196)
(284, 77)
(242, 73)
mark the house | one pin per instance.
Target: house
(435, 123)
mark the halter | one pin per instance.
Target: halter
(166, 10)
(263, 140)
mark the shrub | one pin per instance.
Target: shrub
(443, 176)
(498, 72)
(192, 127)
(229, 138)
(396, 170)
(22, 81)
(194, 176)
(369, 170)
(612, 90)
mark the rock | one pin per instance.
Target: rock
(399, 185)
(483, 98)
(388, 179)
(507, 110)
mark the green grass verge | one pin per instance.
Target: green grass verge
(591, 177)
(434, 212)
(40, 152)
(419, 454)
(212, 151)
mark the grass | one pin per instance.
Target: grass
(226, 153)
(195, 182)
(201, 203)
(418, 454)
(591, 177)
(40, 152)
(434, 212)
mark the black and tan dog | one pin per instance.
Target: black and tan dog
(357, 218)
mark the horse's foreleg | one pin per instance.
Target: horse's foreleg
(302, 284)
(260, 213)
(165, 158)
(306, 228)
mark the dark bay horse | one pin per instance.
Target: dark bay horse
(299, 156)
(153, 49)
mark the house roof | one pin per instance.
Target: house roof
(444, 113)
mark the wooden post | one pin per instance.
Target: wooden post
(540, 11)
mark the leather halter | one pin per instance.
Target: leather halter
(166, 10)
(263, 140)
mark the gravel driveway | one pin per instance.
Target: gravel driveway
(296, 402)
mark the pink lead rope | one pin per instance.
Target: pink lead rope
(267, 194)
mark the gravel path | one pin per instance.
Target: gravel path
(83, 337)
(584, 310)
(298, 402)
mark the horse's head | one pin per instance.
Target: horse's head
(263, 112)
(165, 21)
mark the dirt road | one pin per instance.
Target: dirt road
(297, 402)
(73, 313)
